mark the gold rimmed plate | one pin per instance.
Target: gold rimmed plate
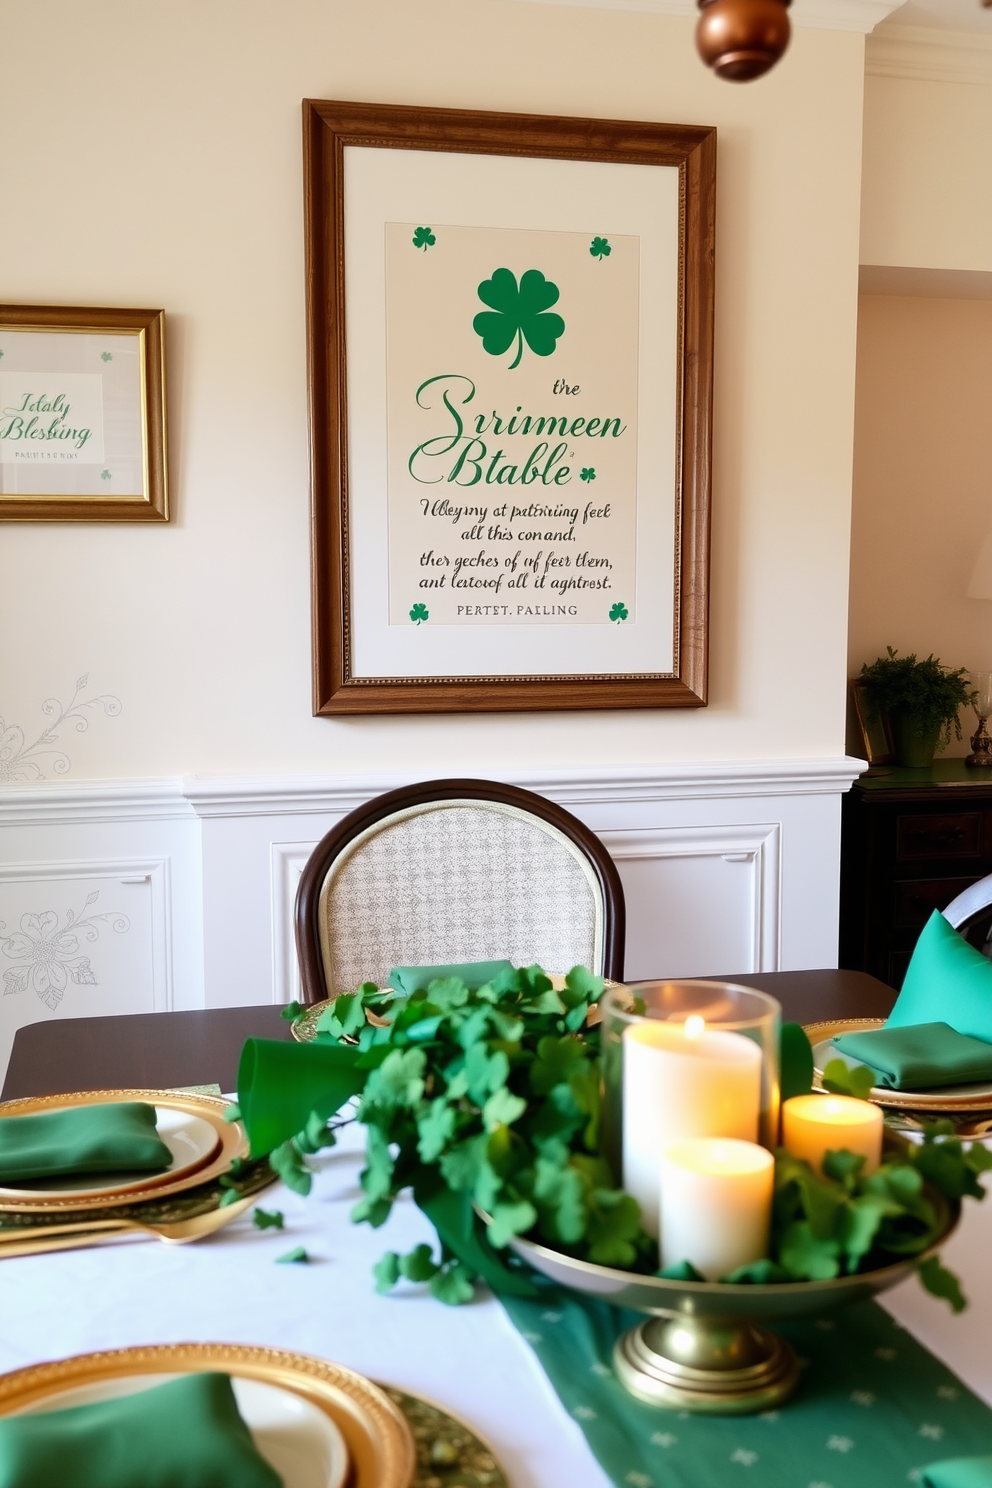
(284, 1397)
(975, 1097)
(217, 1144)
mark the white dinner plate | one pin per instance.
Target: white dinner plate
(297, 1439)
(191, 1140)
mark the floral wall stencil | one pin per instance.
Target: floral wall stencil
(21, 761)
(47, 953)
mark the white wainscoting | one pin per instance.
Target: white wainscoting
(726, 868)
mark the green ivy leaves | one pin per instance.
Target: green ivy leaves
(518, 313)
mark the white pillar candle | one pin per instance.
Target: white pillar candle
(682, 1080)
(813, 1125)
(716, 1204)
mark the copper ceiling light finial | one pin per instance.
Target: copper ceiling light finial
(741, 39)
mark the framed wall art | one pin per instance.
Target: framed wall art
(82, 415)
(510, 354)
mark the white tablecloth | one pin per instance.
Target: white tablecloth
(228, 1290)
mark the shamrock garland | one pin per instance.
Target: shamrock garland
(489, 1100)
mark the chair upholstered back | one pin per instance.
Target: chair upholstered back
(460, 878)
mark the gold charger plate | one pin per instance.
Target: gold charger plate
(449, 1453)
(231, 1135)
(304, 1028)
(953, 1098)
(380, 1443)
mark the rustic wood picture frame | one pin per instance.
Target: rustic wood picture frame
(148, 499)
(330, 128)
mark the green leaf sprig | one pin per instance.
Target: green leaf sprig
(842, 1222)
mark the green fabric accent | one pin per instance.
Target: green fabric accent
(947, 981)
(462, 1232)
(960, 1472)
(279, 1084)
(117, 1138)
(475, 974)
(872, 1406)
(183, 1434)
(923, 1057)
(795, 1061)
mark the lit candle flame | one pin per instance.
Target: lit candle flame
(694, 1026)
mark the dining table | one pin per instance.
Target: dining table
(228, 1288)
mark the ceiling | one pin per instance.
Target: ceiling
(950, 15)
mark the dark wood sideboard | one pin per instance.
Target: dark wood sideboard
(911, 840)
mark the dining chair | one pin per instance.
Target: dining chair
(970, 912)
(456, 870)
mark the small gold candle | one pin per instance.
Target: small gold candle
(813, 1125)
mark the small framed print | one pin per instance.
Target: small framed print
(82, 415)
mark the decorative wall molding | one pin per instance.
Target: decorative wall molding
(94, 801)
(927, 54)
(308, 795)
(756, 846)
(288, 860)
(155, 872)
(820, 15)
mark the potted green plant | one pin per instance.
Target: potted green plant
(922, 700)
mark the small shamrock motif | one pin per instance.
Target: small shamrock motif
(588, 474)
(105, 475)
(518, 312)
(600, 248)
(619, 611)
(419, 613)
(423, 238)
(106, 356)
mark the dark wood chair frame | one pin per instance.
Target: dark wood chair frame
(358, 821)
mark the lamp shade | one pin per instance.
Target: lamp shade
(980, 583)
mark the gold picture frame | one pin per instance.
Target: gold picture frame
(374, 650)
(82, 415)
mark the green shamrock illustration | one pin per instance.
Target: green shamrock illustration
(588, 474)
(419, 612)
(518, 312)
(106, 356)
(619, 611)
(423, 238)
(105, 475)
(600, 248)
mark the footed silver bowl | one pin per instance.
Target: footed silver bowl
(702, 1347)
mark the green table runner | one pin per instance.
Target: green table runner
(872, 1410)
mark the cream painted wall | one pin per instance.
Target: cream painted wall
(152, 157)
(922, 480)
(927, 186)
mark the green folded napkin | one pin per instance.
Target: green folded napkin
(116, 1138)
(924, 1057)
(183, 1434)
(947, 981)
(959, 1472)
(475, 974)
